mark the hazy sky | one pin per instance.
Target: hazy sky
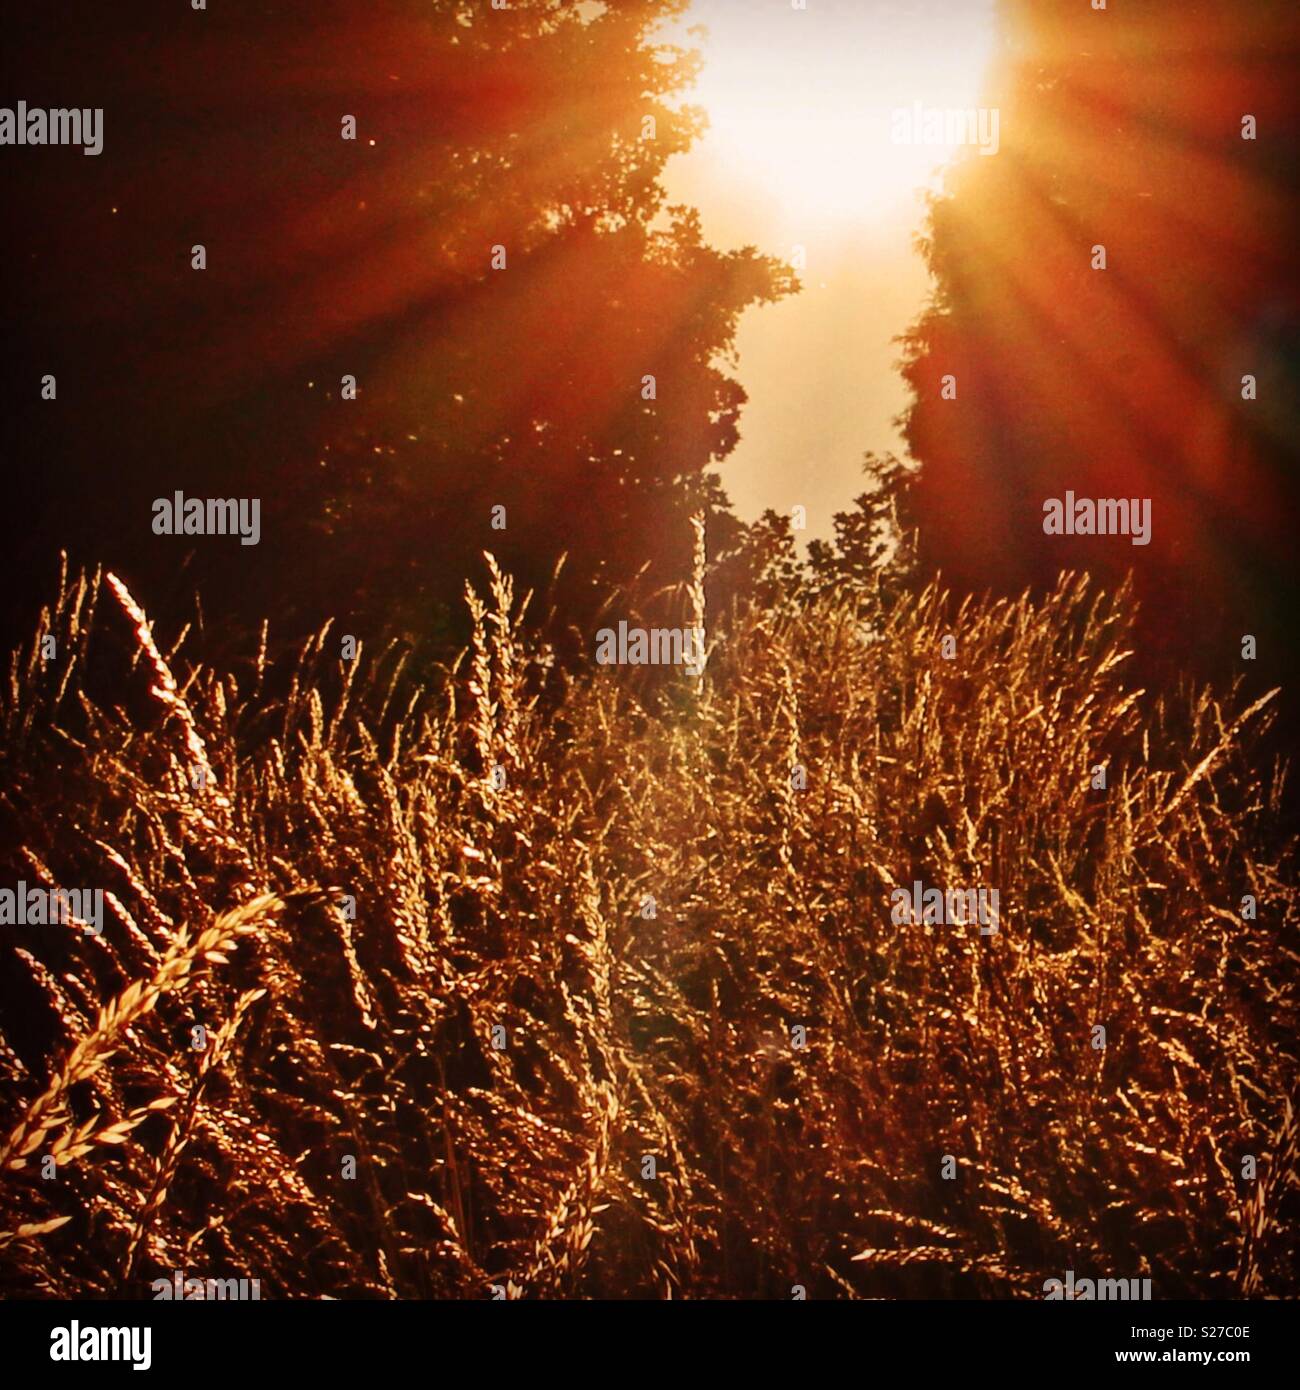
(799, 153)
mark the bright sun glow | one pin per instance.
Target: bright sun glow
(800, 101)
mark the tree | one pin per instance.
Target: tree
(393, 335)
(1121, 130)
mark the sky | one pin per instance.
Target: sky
(799, 153)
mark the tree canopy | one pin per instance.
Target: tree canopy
(490, 260)
(1122, 137)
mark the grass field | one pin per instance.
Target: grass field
(446, 1015)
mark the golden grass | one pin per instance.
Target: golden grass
(333, 1042)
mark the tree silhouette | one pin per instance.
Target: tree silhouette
(457, 310)
(1122, 130)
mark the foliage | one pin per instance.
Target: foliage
(632, 1031)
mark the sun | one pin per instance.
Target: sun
(801, 103)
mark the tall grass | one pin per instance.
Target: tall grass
(313, 860)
